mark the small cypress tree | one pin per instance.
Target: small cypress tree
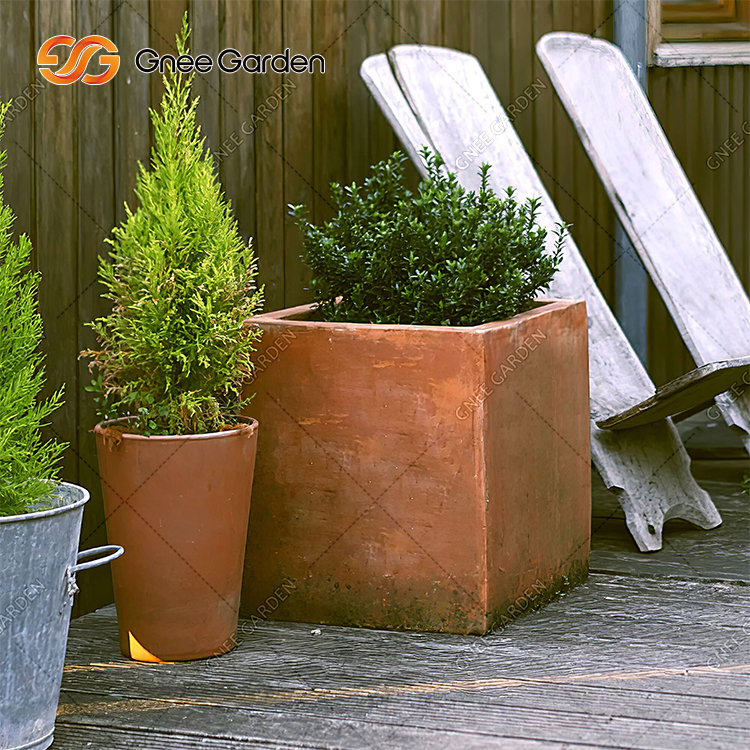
(173, 353)
(28, 463)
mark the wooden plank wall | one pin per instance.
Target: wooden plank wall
(73, 150)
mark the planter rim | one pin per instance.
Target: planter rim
(298, 315)
(249, 422)
(46, 513)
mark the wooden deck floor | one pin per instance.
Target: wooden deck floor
(653, 652)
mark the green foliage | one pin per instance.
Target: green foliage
(445, 256)
(173, 353)
(27, 463)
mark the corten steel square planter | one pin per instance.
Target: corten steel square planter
(419, 477)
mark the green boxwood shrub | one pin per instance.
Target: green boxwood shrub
(28, 463)
(173, 353)
(445, 256)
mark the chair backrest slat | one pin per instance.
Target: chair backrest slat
(656, 204)
(459, 113)
(651, 194)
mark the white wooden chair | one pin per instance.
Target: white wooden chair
(441, 98)
(657, 206)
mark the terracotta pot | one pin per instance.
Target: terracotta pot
(419, 477)
(180, 506)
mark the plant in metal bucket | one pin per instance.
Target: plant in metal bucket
(28, 461)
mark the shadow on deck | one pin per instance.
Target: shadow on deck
(653, 652)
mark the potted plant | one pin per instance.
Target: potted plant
(40, 517)
(176, 458)
(425, 461)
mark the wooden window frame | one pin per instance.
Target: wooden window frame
(721, 20)
(719, 11)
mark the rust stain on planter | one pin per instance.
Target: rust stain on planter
(427, 496)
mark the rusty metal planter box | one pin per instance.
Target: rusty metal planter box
(418, 477)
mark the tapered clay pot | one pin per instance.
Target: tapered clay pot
(419, 477)
(180, 507)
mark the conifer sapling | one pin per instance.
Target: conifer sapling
(28, 463)
(173, 353)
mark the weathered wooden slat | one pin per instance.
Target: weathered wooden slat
(357, 127)
(501, 53)
(456, 16)
(737, 174)
(131, 119)
(379, 25)
(204, 39)
(723, 123)
(18, 84)
(592, 613)
(602, 27)
(377, 74)
(481, 702)
(418, 21)
(662, 335)
(558, 173)
(655, 203)
(588, 226)
(680, 395)
(96, 217)
(298, 151)
(269, 158)
(377, 728)
(479, 33)
(266, 729)
(236, 154)
(522, 41)
(453, 104)
(329, 101)
(57, 213)
(706, 186)
(75, 736)
(746, 220)
(694, 54)
(476, 700)
(164, 22)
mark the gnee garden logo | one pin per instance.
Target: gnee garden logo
(75, 68)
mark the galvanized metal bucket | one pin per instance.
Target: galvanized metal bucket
(38, 564)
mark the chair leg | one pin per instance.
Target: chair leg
(736, 411)
(648, 469)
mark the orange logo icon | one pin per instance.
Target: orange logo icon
(82, 52)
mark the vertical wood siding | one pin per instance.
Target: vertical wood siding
(73, 150)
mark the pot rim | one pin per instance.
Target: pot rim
(299, 315)
(37, 514)
(248, 422)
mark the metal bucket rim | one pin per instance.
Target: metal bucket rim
(248, 422)
(37, 514)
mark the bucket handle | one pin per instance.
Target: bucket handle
(114, 551)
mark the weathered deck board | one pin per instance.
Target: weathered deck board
(657, 658)
(711, 439)
(689, 552)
